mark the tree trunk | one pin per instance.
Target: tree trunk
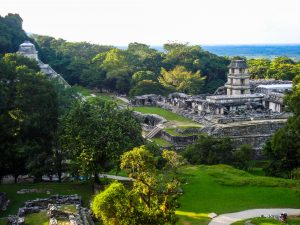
(96, 178)
(59, 176)
(16, 178)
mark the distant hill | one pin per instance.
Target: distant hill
(252, 51)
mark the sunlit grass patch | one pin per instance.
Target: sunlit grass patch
(40, 218)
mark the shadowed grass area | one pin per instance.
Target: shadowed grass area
(85, 190)
(3, 221)
(173, 132)
(161, 142)
(205, 190)
(269, 221)
(40, 218)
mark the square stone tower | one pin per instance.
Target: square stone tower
(238, 78)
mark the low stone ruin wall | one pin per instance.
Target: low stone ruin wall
(52, 206)
(3, 201)
(149, 119)
(178, 140)
(255, 134)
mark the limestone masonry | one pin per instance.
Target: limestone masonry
(248, 111)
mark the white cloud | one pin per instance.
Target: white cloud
(157, 21)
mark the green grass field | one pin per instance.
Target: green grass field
(223, 189)
(168, 115)
(219, 189)
(40, 218)
(85, 190)
(161, 142)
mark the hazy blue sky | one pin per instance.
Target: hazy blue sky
(155, 22)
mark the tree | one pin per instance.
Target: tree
(179, 79)
(143, 75)
(258, 68)
(153, 197)
(11, 33)
(148, 87)
(283, 149)
(96, 134)
(209, 150)
(243, 156)
(28, 116)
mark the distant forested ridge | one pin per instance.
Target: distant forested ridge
(127, 70)
(137, 69)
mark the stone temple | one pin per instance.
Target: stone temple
(248, 111)
(28, 49)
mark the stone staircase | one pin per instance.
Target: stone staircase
(154, 132)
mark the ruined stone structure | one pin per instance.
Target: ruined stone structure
(238, 78)
(28, 49)
(54, 206)
(3, 201)
(250, 111)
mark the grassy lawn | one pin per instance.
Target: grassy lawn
(222, 189)
(269, 221)
(109, 97)
(68, 209)
(168, 115)
(161, 142)
(173, 132)
(40, 218)
(3, 221)
(85, 190)
(84, 91)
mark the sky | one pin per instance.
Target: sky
(155, 22)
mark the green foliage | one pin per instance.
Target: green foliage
(281, 68)
(209, 150)
(112, 204)
(113, 69)
(11, 33)
(147, 87)
(143, 75)
(181, 80)
(258, 68)
(283, 149)
(295, 174)
(28, 116)
(243, 156)
(153, 197)
(97, 133)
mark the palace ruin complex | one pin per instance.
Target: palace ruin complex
(248, 111)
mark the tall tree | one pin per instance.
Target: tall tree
(154, 194)
(96, 134)
(28, 115)
(179, 79)
(283, 149)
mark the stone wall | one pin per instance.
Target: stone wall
(3, 201)
(178, 140)
(255, 133)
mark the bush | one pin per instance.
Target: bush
(209, 150)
